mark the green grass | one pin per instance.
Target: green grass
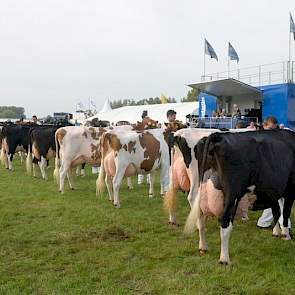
(77, 243)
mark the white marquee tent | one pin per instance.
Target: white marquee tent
(106, 107)
(157, 112)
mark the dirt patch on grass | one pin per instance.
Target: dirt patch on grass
(109, 234)
(114, 234)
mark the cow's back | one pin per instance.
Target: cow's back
(259, 158)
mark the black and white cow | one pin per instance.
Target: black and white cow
(184, 174)
(263, 161)
(41, 149)
(14, 138)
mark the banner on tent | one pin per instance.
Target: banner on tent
(207, 105)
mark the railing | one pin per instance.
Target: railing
(219, 123)
(274, 73)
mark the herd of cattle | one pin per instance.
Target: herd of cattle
(223, 172)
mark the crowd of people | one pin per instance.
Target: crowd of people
(270, 122)
(221, 113)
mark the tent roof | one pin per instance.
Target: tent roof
(106, 107)
(157, 112)
(226, 87)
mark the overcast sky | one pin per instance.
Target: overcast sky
(54, 53)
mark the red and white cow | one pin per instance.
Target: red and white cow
(75, 146)
(129, 153)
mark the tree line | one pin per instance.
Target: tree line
(191, 96)
(12, 112)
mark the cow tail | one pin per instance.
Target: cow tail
(57, 162)
(2, 156)
(193, 217)
(170, 200)
(4, 159)
(29, 163)
(195, 213)
(100, 183)
(202, 158)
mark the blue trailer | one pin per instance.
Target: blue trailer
(279, 101)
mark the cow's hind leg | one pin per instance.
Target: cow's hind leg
(35, 163)
(116, 185)
(201, 223)
(129, 183)
(230, 209)
(162, 194)
(164, 178)
(276, 231)
(70, 176)
(289, 200)
(276, 215)
(20, 154)
(152, 182)
(224, 236)
(34, 170)
(42, 165)
(63, 171)
(78, 170)
(82, 174)
(9, 158)
(109, 186)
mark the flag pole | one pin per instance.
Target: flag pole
(289, 61)
(228, 65)
(204, 61)
(289, 46)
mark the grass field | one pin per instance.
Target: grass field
(77, 243)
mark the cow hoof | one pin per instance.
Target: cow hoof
(276, 236)
(203, 252)
(173, 223)
(72, 189)
(223, 262)
(117, 206)
(130, 188)
(285, 238)
(151, 195)
(162, 196)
